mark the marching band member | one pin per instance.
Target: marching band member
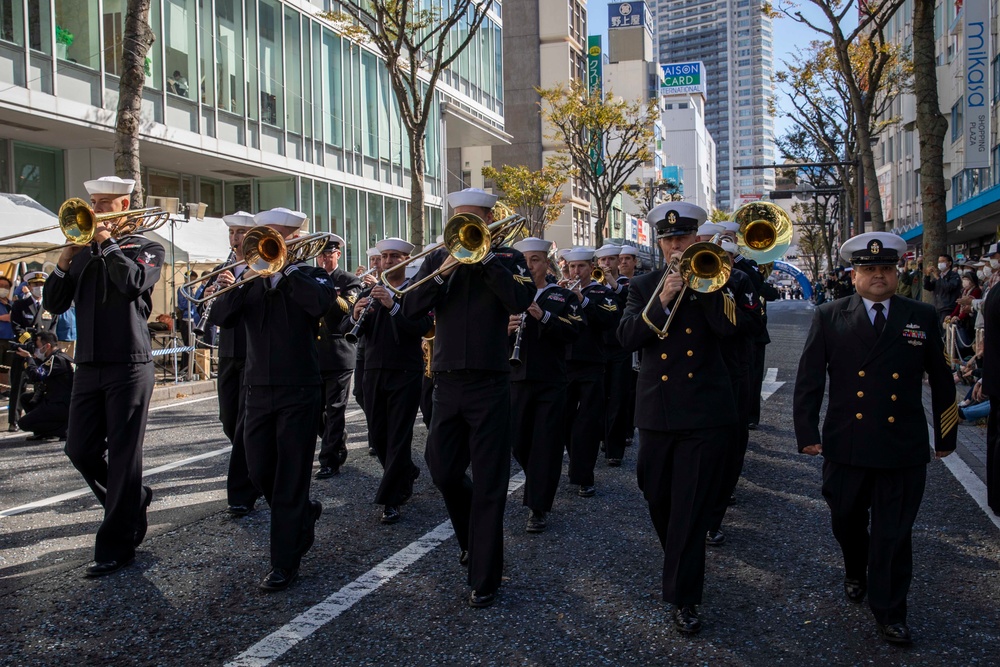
(284, 388)
(684, 408)
(585, 369)
(368, 281)
(336, 360)
(393, 373)
(541, 337)
(241, 494)
(470, 423)
(26, 316)
(618, 363)
(627, 264)
(111, 282)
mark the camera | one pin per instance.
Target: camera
(26, 342)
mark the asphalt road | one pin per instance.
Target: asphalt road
(586, 592)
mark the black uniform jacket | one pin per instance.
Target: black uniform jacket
(232, 341)
(112, 286)
(601, 314)
(736, 349)
(53, 379)
(472, 308)
(875, 417)
(281, 324)
(765, 291)
(683, 382)
(29, 315)
(335, 353)
(991, 344)
(612, 348)
(544, 342)
(391, 339)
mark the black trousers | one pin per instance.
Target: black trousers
(280, 438)
(618, 424)
(584, 420)
(107, 415)
(633, 380)
(426, 399)
(470, 425)
(16, 387)
(333, 421)
(737, 451)
(46, 420)
(358, 387)
(537, 411)
(885, 557)
(680, 474)
(393, 397)
(232, 409)
(756, 380)
(993, 457)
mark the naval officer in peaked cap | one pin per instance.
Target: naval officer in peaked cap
(875, 347)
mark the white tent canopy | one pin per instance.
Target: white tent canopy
(20, 214)
(195, 241)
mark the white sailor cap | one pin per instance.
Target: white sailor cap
(608, 250)
(579, 254)
(394, 244)
(283, 217)
(334, 242)
(533, 244)
(730, 226)
(35, 277)
(373, 252)
(472, 197)
(710, 229)
(239, 219)
(873, 248)
(629, 250)
(676, 218)
(110, 185)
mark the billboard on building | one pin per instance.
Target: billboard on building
(682, 78)
(642, 233)
(629, 15)
(976, 35)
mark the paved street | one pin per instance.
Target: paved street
(586, 592)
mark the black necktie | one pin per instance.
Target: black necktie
(879, 318)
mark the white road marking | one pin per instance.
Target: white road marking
(969, 480)
(279, 642)
(770, 384)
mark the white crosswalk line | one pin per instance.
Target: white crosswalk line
(770, 384)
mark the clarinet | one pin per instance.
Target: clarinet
(202, 326)
(352, 335)
(515, 357)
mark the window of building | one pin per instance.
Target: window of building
(76, 32)
(12, 22)
(293, 72)
(210, 194)
(957, 113)
(333, 106)
(321, 207)
(275, 192)
(38, 173)
(180, 46)
(239, 196)
(995, 69)
(370, 110)
(270, 56)
(229, 55)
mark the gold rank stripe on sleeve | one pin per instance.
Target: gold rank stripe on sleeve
(344, 306)
(527, 280)
(729, 307)
(949, 418)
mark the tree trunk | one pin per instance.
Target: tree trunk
(602, 222)
(870, 178)
(138, 37)
(418, 166)
(931, 129)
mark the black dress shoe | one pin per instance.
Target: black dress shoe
(686, 620)
(390, 514)
(372, 452)
(278, 579)
(536, 522)
(143, 525)
(855, 590)
(239, 510)
(482, 600)
(463, 558)
(586, 491)
(614, 463)
(326, 472)
(715, 538)
(895, 633)
(99, 569)
(317, 510)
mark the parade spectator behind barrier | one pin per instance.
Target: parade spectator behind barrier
(50, 370)
(961, 314)
(66, 331)
(905, 286)
(6, 330)
(946, 285)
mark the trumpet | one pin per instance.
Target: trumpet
(78, 223)
(704, 267)
(597, 276)
(468, 240)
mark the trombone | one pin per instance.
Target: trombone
(765, 231)
(265, 253)
(704, 267)
(78, 223)
(468, 240)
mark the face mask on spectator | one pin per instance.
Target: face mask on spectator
(988, 271)
(994, 263)
(4, 292)
(981, 274)
(942, 266)
(36, 292)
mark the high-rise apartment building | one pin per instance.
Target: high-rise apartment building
(734, 40)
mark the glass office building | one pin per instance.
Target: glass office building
(248, 104)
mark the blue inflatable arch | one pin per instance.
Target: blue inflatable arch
(794, 272)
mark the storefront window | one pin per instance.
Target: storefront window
(276, 192)
(76, 32)
(164, 184)
(376, 219)
(337, 209)
(392, 217)
(180, 42)
(4, 164)
(12, 22)
(239, 197)
(270, 56)
(210, 194)
(321, 204)
(229, 55)
(349, 231)
(38, 173)
(293, 71)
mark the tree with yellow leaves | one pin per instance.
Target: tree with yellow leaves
(535, 195)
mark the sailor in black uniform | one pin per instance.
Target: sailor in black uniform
(393, 372)
(336, 360)
(628, 263)
(111, 282)
(358, 384)
(538, 382)
(27, 317)
(283, 393)
(470, 423)
(618, 364)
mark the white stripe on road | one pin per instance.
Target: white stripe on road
(279, 642)
(968, 479)
(770, 384)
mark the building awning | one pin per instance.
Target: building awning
(465, 129)
(195, 241)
